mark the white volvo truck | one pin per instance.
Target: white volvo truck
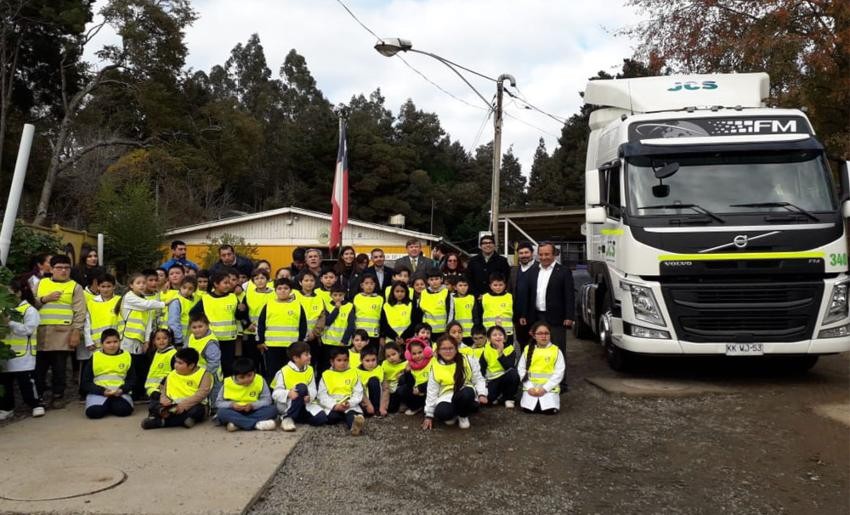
(714, 225)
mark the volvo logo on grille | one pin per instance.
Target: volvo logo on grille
(740, 241)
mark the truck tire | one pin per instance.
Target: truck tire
(801, 364)
(620, 360)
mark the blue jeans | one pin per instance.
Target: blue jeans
(298, 409)
(246, 420)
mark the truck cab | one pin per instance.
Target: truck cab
(714, 224)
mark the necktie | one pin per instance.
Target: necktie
(413, 264)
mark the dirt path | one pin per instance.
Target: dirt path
(760, 449)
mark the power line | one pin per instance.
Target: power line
(437, 85)
(520, 120)
(481, 131)
(357, 19)
(522, 99)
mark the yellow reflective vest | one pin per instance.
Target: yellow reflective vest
(340, 385)
(392, 373)
(243, 394)
(179, 387)
(186, 306)
(325, 295)
(542, 364)
(434, 312)
(334, 332)
(463, 313)
(398, 316)
(221, 312)
(444, 374)
(257, 300)
(283, 321)
(367, 312)
(292, 377)
(491, 356)
(102, 316)
(20, 343)
(364, 375)
(110, 370)
(353, 358)
(498, 310)
(199, 344)
(313, 307)
(421, 376)
(160, 368)
(58, 312)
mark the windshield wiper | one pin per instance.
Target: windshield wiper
(695, 207)
(787, 205)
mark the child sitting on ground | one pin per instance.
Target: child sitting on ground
(394, 367)
(108, 379)
(359, 341)
(162, 363)
(340, 393)
(245, 401)
(479, 340)
(498, 366)
(541, 368)
(371, 376)
(414, 384)
(183, 399)
(295, 390)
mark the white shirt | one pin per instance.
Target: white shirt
(542, 283)
(526, 266)
(379, 273)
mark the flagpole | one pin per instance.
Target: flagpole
(341, 122)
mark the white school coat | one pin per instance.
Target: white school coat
(129, 302)
(327, 402)
(433, 397)
(28, 327)
(281, 393)
(550, 399)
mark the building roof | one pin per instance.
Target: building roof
(559, 224)
(296, 211)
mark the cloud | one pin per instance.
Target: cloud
(550, 47)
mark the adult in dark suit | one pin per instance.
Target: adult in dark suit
(485, 264)
(519, 285)
(383, 273)
(418, 264)
(551, 297)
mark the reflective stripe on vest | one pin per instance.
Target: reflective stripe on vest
(110, 370)
(392, 373)
(463, 313)
(257, 300)
(160, 368)
(221, 312)
(340, 385)
(445, 374)
(179, 387)
(334, 332)
(58, 312)
(313, 307)
(367, 312)
(491, 356)
(282, 323)
(102, 316)
(243, 394)
(20, 343)
(542, 365)
(135, 326)
(434, 311)
(498, 310)
(292, 377)
(398, 316)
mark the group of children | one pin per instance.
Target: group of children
(303, 350)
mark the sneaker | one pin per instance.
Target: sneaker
(510, 404)
(189, 423)
(152, 423)
(265, 425)
(451, 421)
(357, 425)
(410, 412)
(4, 414)
(463, 422)
(58, 403)
(287, 424)
(38, 411)
(231, 427)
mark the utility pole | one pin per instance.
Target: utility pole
(497, 155)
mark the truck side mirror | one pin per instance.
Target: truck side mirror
(595, 215)
(592, 188)
(844, 177)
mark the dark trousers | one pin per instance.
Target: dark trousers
(246, 421)
(504, 386)
(26, 384)
(228, 356)
(335, 417)
(117, 406)
(395, 402)
(522, 333)
(411, 395)
(463, 404)
(250, 350)
(275, 358)
(325, 360)
(298, 409)
(57, 362)
(197, 412)
(559, 338)
(316, 350)
(141, 366)
(373, 390)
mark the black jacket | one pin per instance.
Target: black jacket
(479, 272)
(519, 285)
(560, 297)
(388, 277)
(243, 265)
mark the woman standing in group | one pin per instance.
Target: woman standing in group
(453, 267)
(86, 268)
(345, 272)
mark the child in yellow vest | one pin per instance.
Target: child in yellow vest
(282, 323)
(498, 366)
(245, 401)
(376, 390)
(178, 311)
(257, 295)
(367, 307)
(455, 389)
(340, 393)
(161, 364)
(339, 326)
(22, 342)
(402, 275)
(221, 308)
(541, 368)
(101, 313)
(327, 280)
(464, 306)
(414, 382)
(315, 310)
(207, 346)
(294, 390)
(394, 367)
(183, 399)
(479, 340)
(397, 314)
(203, 278)
(436, 304)
(497, 307)
(108, 379)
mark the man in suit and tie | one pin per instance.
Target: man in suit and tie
(519, 286)
(383, 273)
(551, 298)
(418, 264)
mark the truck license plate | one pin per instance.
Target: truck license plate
(744, 349)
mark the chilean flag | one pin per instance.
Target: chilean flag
(339, 199)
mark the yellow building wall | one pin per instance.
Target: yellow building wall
(281, 255)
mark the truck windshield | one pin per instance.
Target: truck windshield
(720, 182)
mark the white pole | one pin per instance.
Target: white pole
(15, 191)
(100, 248)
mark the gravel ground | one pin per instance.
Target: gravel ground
(759, 450)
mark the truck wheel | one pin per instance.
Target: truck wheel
(619, 359)
(581, 330)
(802, 364)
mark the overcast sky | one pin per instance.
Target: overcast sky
(550, 47)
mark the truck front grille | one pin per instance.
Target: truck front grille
(743, 312)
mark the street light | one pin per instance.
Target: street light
(389, 47)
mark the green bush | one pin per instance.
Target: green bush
(8, 303)
(26, 243)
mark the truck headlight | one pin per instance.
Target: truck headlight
(835, 332)
(645, 332)
(644, 305)
(837, 308)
